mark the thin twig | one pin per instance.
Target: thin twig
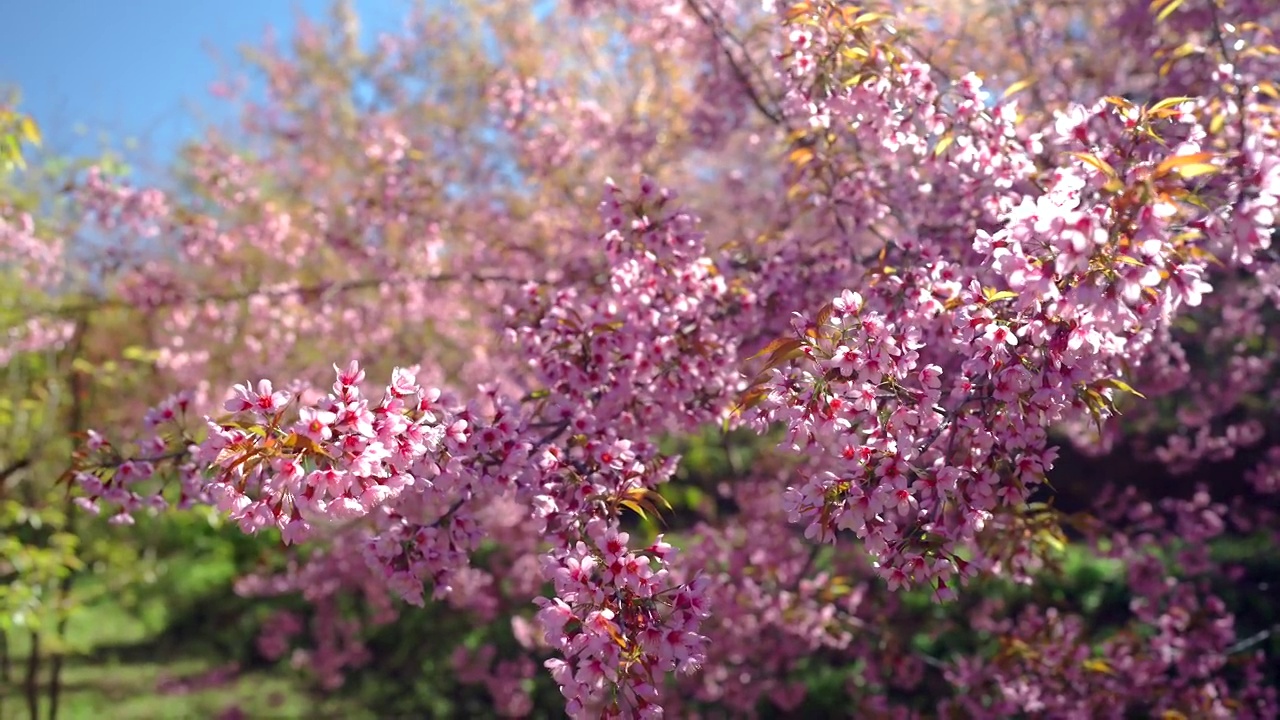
(1255, 639)
(1243, 121)
(716, 26)
(457, 505)
(14, 467)
(553, 434)
(327, 289)
(1020, 35)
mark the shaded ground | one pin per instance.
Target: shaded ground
(127, 671)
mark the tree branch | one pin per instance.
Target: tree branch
(713, 22)
(321, 288)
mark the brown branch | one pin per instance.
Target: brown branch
(14, 467)
(5, 667)
(713, 22)
(75, 425)
(1018, 15)
(457, 505)
(31, 683)
(1242, 120)
(322, 288)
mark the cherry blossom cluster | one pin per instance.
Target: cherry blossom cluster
(35, 335)
(1049, 664)
(39, 260)
(23, 250)
(619, 623)
(938, 388)
(414, 461)
(340, 459)
(505, 679)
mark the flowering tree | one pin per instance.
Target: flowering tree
(931, 299)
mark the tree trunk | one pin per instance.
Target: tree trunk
(32, 684)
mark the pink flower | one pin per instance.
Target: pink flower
(316, 424)
(263, 401)
(997, 337)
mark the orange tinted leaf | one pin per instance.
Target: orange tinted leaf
(771, 347)
(617, 637)
(800, 157)
(749, 399)
(789, 350)
(798, 9)
(824, 315)
(1181, 161)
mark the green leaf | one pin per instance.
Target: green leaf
(29, 131)
(1169, 103)
(635, 507)
(992, 295)
(1122, 386)
(943, 143)
(11, 152)
(1098, 665)
(1168, 9)
(1017, 87)
(1053, 539)
(1096, 163)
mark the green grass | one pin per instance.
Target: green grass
(140, 644)
(122, 667)
(132, 691)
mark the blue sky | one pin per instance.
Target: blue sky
(141, 69)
